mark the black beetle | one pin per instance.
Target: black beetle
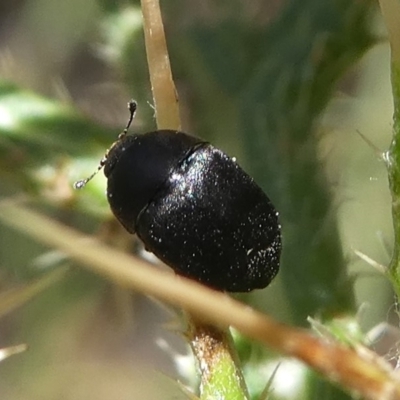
(194, 208)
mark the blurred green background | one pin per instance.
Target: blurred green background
(283, 86)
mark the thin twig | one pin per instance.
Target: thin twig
(162, 84)
(336, 362)
(221, 376)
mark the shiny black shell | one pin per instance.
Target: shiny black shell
(195, 209)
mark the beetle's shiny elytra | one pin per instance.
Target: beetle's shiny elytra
(194, 208)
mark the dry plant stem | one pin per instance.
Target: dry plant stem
(164, 93)
(391, 13)
(221, 375)
(337, 363)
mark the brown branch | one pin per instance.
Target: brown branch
(162, 84)
(345, 366)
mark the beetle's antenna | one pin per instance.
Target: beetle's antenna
(132, 106)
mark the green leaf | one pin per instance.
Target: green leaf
(306, 51)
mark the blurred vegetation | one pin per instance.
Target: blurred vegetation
(283, 86)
